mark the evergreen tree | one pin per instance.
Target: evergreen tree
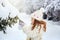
(7, 22)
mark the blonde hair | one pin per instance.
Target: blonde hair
(39, 24)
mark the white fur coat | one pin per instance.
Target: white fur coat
(32, 34)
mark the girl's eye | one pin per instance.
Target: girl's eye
(37, 17)
(34, 14)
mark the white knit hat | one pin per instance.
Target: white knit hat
(38, 14)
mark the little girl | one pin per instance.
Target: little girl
(37, 26)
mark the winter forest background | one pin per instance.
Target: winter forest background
(23, 9)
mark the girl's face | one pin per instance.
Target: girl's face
(32, 21)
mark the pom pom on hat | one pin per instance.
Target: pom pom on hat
(38, 15)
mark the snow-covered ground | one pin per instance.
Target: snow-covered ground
(14, 33)
(53, 31)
